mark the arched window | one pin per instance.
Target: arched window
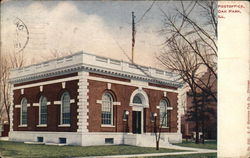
(137, 99)
(107, 109)
(65, 108)
(43, 110)
(23, 119)
(163, 112)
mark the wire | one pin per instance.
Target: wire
(145, 12)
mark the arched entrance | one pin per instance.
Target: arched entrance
(139, 101)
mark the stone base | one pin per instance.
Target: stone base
(96, 138)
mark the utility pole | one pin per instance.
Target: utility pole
(133, 36)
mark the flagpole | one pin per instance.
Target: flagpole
(133, 36)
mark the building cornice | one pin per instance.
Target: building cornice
(85, 62)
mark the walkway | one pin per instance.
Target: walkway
(190, 151)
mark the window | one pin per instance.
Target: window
(109, 140)
(62, 140)
(107, 109)
(43, 110)
(23, 112)
(137, 99)
(65, 108)
(163, 112)
(39, 139)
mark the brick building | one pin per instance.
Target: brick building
(83, 99)
(188, 127)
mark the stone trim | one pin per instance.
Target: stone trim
(109, 85)
(165, 94)
(72, 101)
(35, 104)
(23, 125)
(144, 99)
(11, 107)
(129, 84)
(99, 101)
(87, 62)
(46, 83)
(63, 85)
(41, 88)
(179, 105)
(112, 126)
(18, 106)
(57, 102)
(83, 102)
(169, 108)
(41, 125)
(64, 125)
(116, 103)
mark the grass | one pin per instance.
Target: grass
(17, 149)
(208, 155)
(207, 145)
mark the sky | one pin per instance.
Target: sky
(98, 27)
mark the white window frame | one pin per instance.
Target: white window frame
(111, 109)
(21, 112)
(61, 111)
(166, 111)
(40, 104)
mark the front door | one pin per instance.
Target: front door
(136, 127)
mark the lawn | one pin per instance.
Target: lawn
(207, 145)
(208, 155)
(15, 149)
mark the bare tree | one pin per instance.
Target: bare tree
(8, 62)
(196, 35)
(190, 48)
(55, 53)
(158, 128)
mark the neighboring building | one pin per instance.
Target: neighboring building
(188, 127)
(4, 129)
(84, 99)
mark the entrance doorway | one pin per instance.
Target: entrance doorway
(136, 123)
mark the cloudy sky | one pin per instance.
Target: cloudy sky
(97, 27)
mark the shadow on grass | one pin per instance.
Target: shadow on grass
(206, 145)
(208, 155)
(17, 149)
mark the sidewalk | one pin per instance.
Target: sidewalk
(191, 151)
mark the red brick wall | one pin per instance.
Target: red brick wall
(122, 94)
(6, 129)
(53, 93)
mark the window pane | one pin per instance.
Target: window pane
(65, 108)
(43, 110)
(163, 113)
(107, 109)
(24, 111)
(137, 99)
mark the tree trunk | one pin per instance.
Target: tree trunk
(196, 119)
(196, 132)
(203, 134)
(157, 144)
(203, 117)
